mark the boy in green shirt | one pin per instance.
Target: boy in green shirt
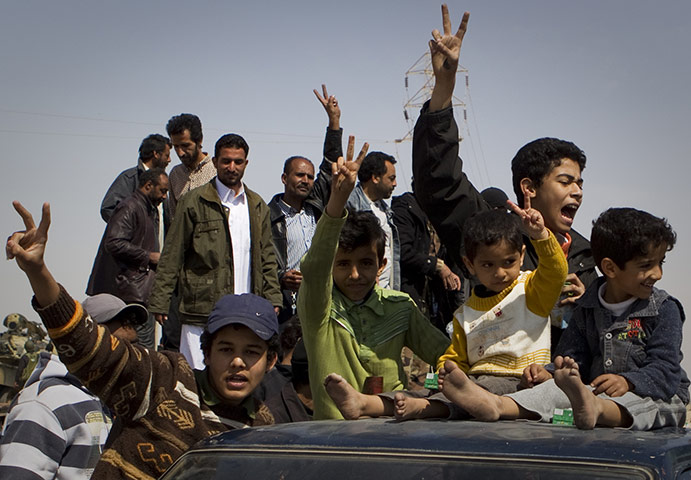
(350, 325)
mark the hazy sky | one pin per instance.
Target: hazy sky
(82, 83)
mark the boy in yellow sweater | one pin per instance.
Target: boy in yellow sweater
(501, 329)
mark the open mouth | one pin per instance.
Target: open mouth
(236, 381)
(569, 212)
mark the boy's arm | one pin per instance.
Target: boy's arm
(112, 369)
(424, 339)
(317, 264)
(660, 373)
(458, 350)
(544, 284)
(441, 187)
(444, 52)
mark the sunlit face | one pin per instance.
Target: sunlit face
(299, 180)
(157, 193)
(230, 166)
(496, 266)
(559, 196)
(188, 151)
(236, 363)
(386, 183)
(355, 272)
(162, 158)
(637, 277)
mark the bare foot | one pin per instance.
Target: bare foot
(349, 401)
(584, 404)
(475, 400)
(406, 408)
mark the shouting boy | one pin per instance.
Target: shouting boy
(618, 362)
(350, 325)
(548, 170)
(500, 330)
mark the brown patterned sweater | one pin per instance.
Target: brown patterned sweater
(162, 407)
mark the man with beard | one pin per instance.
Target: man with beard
(129, 251)
(219, 243)
(196, 168)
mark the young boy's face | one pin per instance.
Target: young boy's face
(559, 196)
(355, 272)
(496, 266)
(637, 277)
(236, 363)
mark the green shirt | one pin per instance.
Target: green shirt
(356, 340)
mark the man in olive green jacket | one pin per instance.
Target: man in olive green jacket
(219, 243)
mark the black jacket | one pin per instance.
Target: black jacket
(122, 266)
(418, 267)
(448, 197)
(317, 199)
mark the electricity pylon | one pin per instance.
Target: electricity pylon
(420, 79)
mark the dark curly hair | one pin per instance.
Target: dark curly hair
(537, 159)
(623, 234)
(186, 121)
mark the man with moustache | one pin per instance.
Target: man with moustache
(219, 243)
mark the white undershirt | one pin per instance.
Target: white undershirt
(239, 226)
(385, 279)
(616, 308)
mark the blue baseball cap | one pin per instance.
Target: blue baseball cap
(252, 311)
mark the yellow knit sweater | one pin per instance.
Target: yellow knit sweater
(503, 334)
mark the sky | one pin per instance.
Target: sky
(82, 83)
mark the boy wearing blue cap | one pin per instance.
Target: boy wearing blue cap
(164, 406)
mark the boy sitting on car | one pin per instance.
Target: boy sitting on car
(618, 362)
(500, 330)
(350, 325)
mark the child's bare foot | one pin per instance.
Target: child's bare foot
(349, 401)
(475, 400)
(585, 405)
(405, 407)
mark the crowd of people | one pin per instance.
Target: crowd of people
(309, 307)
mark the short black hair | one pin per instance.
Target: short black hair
(490, 227)
(535, 160)
(288, 164)
(207, 339)
(623, 234)
(152, 175)
(186, 121)
(152, 143)
(231, 140)
(373, 164)
(362, 229)
(289, 333)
